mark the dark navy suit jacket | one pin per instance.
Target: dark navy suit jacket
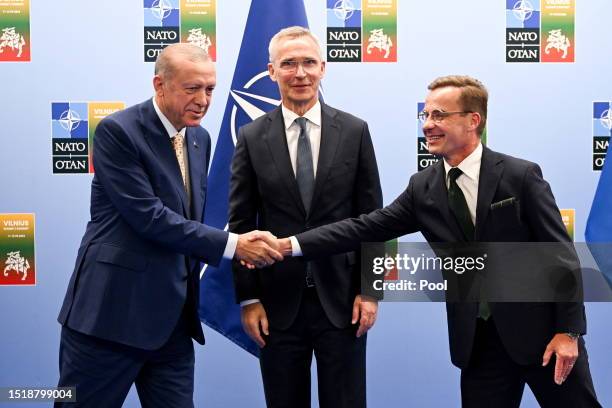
(140, 255)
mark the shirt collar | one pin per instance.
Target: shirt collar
(470, 166)
(170, 129)
(313, 115)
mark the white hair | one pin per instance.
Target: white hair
(165, 63)
(291, 32)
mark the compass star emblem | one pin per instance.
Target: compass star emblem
(242, 98)
(522, 10)
(69, 120)
(343, 9)
(161, 9)
(606, 119)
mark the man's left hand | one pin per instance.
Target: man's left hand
(566, 351)
(365, 309)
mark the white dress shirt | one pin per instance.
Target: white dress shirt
(232, 240)
(292, 131)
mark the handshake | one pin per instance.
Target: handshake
(258, 249)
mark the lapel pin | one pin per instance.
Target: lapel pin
(195, 144)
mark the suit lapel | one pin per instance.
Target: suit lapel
(159, 142)
(439, 196)
(330, 138)
(196, 170)
(491, 169)
(276, 140)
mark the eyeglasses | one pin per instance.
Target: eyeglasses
(308, 64)
(437, 115)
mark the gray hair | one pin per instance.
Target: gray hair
(291, 32)
(166, 60)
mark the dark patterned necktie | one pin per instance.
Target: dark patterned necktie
(304, 175)
(304, 171)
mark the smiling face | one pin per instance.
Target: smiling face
(298, 69)
(183, 93)
(455, 136)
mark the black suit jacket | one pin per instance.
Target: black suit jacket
(525, 328)
(140, 255)
(264, 195)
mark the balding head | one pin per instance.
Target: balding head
(167, 60)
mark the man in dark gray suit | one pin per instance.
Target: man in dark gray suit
(303, 165)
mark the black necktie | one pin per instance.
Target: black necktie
(304, 171)
(458, 205)
(461, 211)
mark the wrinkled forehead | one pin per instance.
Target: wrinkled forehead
(297, 48)
(201, 69)
(180, 60)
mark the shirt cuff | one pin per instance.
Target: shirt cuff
(230, 246)
(296, 250)
(248, 302)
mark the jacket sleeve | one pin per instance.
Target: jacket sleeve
(390, 222)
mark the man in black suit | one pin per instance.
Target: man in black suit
(499, 347)
(303, 165)
(130, 310)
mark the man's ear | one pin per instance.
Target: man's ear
(272, 71)
(476, 119)
(158, 85)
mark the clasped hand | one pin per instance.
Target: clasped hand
(258, 249)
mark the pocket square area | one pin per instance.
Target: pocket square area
(504, 203)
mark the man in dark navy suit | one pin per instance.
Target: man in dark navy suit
(130, 310)
(473, 195)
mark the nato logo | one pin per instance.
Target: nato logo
(522, 30)
(344, 30)
(70, 137)
(252, 100)
(602, 130)
(424, 158)
(161, 26)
